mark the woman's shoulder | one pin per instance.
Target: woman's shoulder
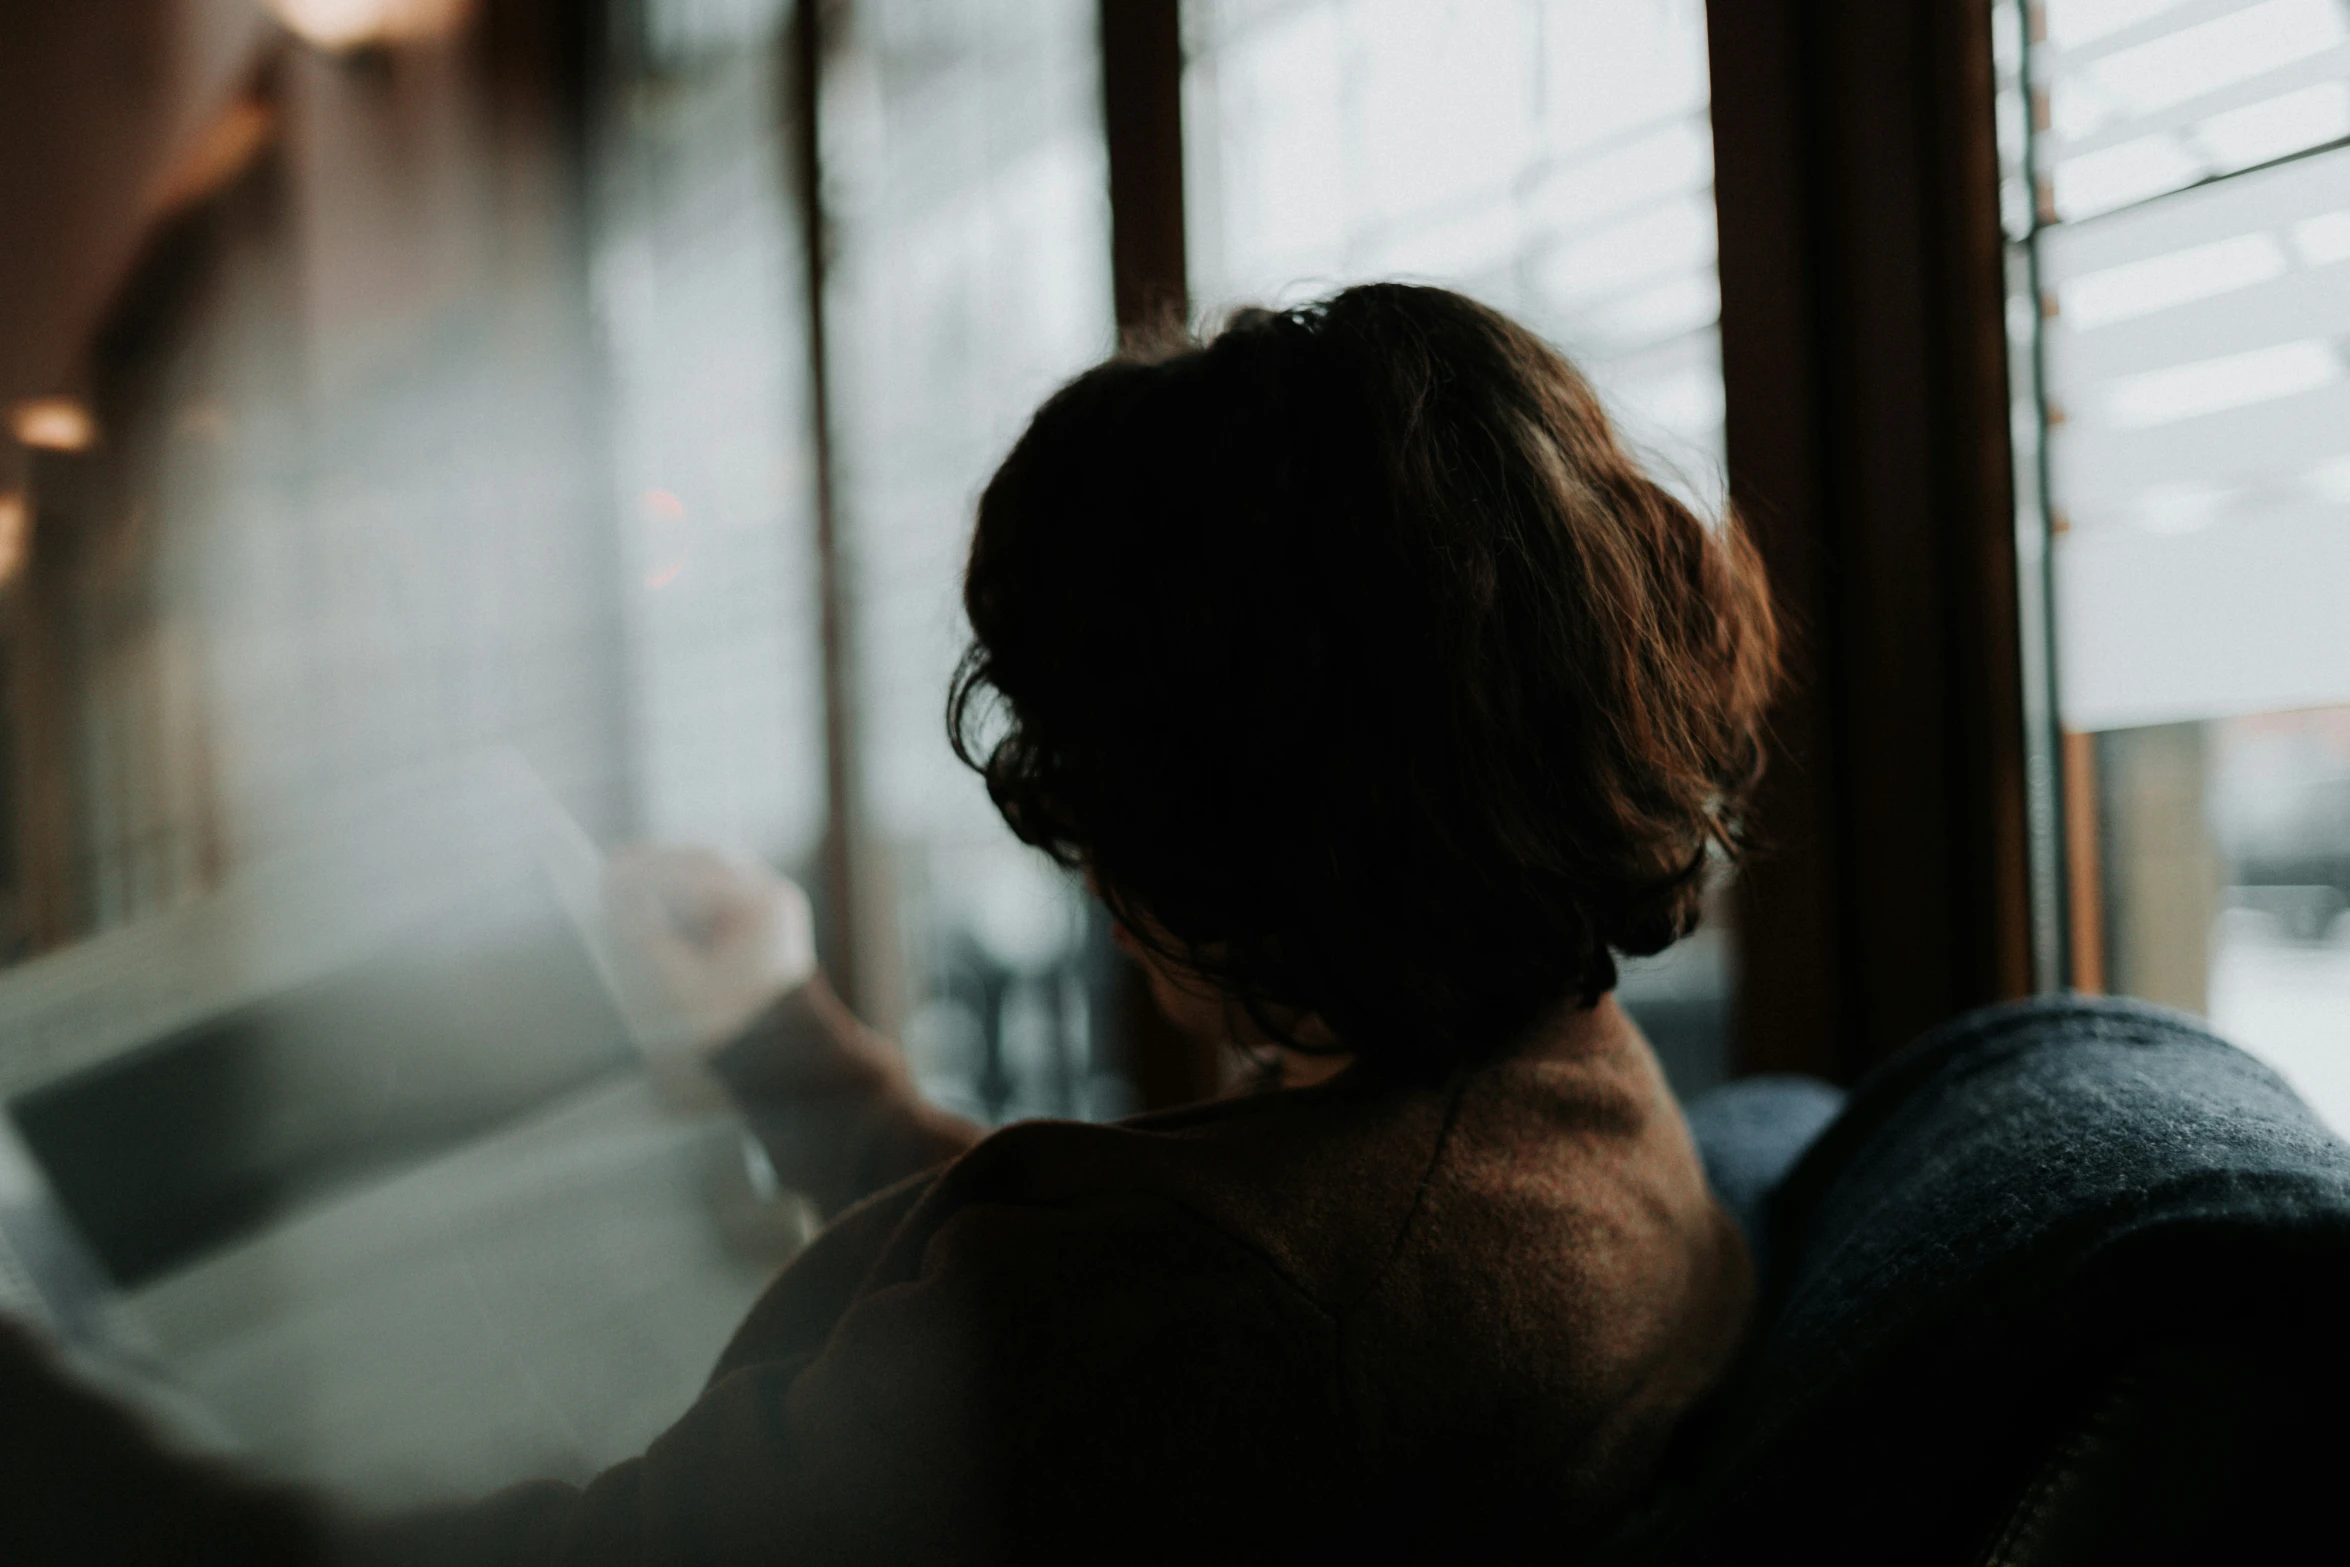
(1330, 1183)
(1396, 1280)
(1319, 1179)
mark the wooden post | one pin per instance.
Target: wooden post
(1864, 362)
(36, 652)
(1142, 121)
(843, 816)
(2084, 872)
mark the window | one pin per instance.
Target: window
(2178, 203)
(966, 174)
(698, 286)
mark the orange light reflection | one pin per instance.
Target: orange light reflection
(16, 534)
(57, 424)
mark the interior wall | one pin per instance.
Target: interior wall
(345, 521)
(98, 100)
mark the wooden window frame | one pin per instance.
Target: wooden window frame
(1865, 367)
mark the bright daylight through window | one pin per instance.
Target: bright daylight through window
(2179, 205)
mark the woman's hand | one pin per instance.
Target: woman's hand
(702, 944)
(717, 967)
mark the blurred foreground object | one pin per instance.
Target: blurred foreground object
(356, 24)
(56, 424)
(700, 945)
(363, 1162)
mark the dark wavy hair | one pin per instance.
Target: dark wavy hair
(1365, 670)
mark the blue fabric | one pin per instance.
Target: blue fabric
(1750, 1133)
(2021, 1190)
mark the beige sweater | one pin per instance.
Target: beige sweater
(1360, 1318)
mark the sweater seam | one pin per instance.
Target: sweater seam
(1338, 1310)
(1412, 1210)
(1343, 1319)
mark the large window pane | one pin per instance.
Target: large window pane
(699, 288)
(2202, 460)
(966, 170)
(2183, 274)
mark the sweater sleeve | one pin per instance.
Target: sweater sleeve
(832, 1103)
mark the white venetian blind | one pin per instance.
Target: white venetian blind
(2194, 263)
(1553, 158)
